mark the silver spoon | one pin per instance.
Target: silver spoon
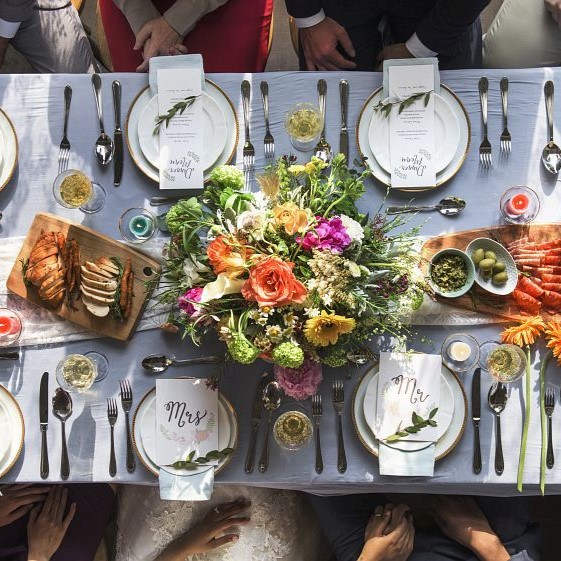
(156, 364)
(323, 148)
(551, 155)
(9, 356)
(448, 206)
(62, 409)
(497, 402)
(158, 201)
(103, 145)
(272, 398)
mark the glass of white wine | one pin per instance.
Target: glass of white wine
(304, 123)
(74, 189)
(76, 373)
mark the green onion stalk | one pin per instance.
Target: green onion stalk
(543, 366)
(528, 392)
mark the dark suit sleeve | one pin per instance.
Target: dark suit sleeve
(303, 8)
(16, 10)
(446, 23)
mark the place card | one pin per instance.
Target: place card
(412, 127)
(408, 384)
(186, 420)
(181, 137)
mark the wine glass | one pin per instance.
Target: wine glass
(304, 123)
(137, 225)
(74, 189)
(505, 363)
(293, 430)
(76, 373)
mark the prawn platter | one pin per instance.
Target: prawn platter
(536, 250)
(83, 276)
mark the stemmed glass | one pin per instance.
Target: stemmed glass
(74, 189)
(505, 363)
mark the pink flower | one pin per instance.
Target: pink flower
(327, 235)
(302, 382)
(186, 304)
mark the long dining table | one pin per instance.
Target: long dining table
(34, 103)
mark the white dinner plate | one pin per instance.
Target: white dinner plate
(2, 149)
(8, 149)
(214, 131)
(446, 135)
(444, 445)
(144, 433)
(363, 142)
(17, 431)
(143, 99)
(5, 431)
(443, 416)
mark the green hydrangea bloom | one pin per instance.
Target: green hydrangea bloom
(242, 350)
(228, 176)
(335, 358)
(288, 355)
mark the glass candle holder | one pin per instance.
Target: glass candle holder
(505, 363)
(519, 205)
(11, 326)
(76, 373)
(304, 123)
(74, 189)
(293, 430)
(137, 225)
(460, 352)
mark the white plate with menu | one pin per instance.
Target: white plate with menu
(13, 443)
(446, 135)
(214, 131)
(8, 148)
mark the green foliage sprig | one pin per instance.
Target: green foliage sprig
(192, 463)
(386, 106)
(179, 106)
(418, 424)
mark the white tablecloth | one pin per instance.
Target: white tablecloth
(35, 104)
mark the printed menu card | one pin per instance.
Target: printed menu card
(412, 147)
(408, 394)
(186, 420)
(181, 136)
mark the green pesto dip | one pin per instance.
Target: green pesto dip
(449, 273)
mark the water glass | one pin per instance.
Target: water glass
(74, 189)
(304, 123)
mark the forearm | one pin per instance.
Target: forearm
(175, 551)
(183, 15)
(490, 548)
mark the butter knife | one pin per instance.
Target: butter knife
(476, 417)
(118, 136)
(344, 134)
(255, 421)
(44, 423)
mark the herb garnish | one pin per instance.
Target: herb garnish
(418, 424)
(386, 106)
(192, 463)
(179, 106)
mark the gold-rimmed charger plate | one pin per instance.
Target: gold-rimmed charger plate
(444, 446)
(363, 145)
(10, 149)
(17, 429)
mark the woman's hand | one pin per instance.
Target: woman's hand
(17, 500)
(156, 37)
(47, 525)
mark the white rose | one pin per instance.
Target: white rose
(220, 287)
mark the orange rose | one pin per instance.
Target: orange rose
(292, 217)
(226, 255)
(272, 283)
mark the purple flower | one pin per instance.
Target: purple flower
(302, 382)
(185, 302)
(328, 235)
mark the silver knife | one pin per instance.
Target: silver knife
(476, 417)
(118, 137)
(255, 421)
(344, 134)
(44, 423)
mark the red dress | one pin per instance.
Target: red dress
(232, 38)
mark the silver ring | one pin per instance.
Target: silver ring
(216, 510)
(376, 515)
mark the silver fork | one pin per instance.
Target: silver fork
(248, 150)
(112, 414)
(269, 142)
(506, 140)
(64, 150)
(485, 157)
(549, 405)
(338, 398)
(316, 414)
(126, 403)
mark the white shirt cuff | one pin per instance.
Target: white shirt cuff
(310, 21)
(417, 49)
(8, 29)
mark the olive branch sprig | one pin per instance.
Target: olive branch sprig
(192, 463)
(418, 424)
(386, 106)
(172, 111)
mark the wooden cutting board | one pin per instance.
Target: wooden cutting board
(92, 246)
(481, 300)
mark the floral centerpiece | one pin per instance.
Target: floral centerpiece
(293, 273)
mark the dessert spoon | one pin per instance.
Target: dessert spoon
(551, 155)
(62, 409)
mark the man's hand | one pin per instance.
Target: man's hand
(48, 524)
(3, 46)
(156, 37)
(461, 519)
(397, 50)
(389, 535)
(17, 500)
(319, 44)
(554, 7)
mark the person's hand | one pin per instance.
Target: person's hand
(461, 519)
(319, 44)
(389, 534)
(48, 524)
(178, 49)
(554, 7)
(3, 47)
(397, 50)
(155, 37)
(17, 500)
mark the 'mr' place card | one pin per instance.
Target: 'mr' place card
(412, 147)
(181, 137)
(186, 420)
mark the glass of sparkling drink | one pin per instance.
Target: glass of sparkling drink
(293, 430)
(304, 123)
(76, 373)
(74, 189)
(506, 363)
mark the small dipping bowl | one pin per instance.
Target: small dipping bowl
(137, 225)
(460, 352)
(519, 205)
(470, 273)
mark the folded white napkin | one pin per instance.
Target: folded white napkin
(178, 61)
(398, 462)
(196, 487)
(408, 62)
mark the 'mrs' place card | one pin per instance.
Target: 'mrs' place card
(186, 420)
(181, 137)
(412, 147)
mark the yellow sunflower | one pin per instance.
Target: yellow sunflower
(525, 333)
(553, 335)
(326, 328)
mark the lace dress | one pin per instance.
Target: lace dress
(282, 528)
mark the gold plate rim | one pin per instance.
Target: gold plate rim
(13, 170)
(18, 454)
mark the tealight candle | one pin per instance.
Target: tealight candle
(518, 204)
(459, 351)
(9, 324)
(141, 226)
